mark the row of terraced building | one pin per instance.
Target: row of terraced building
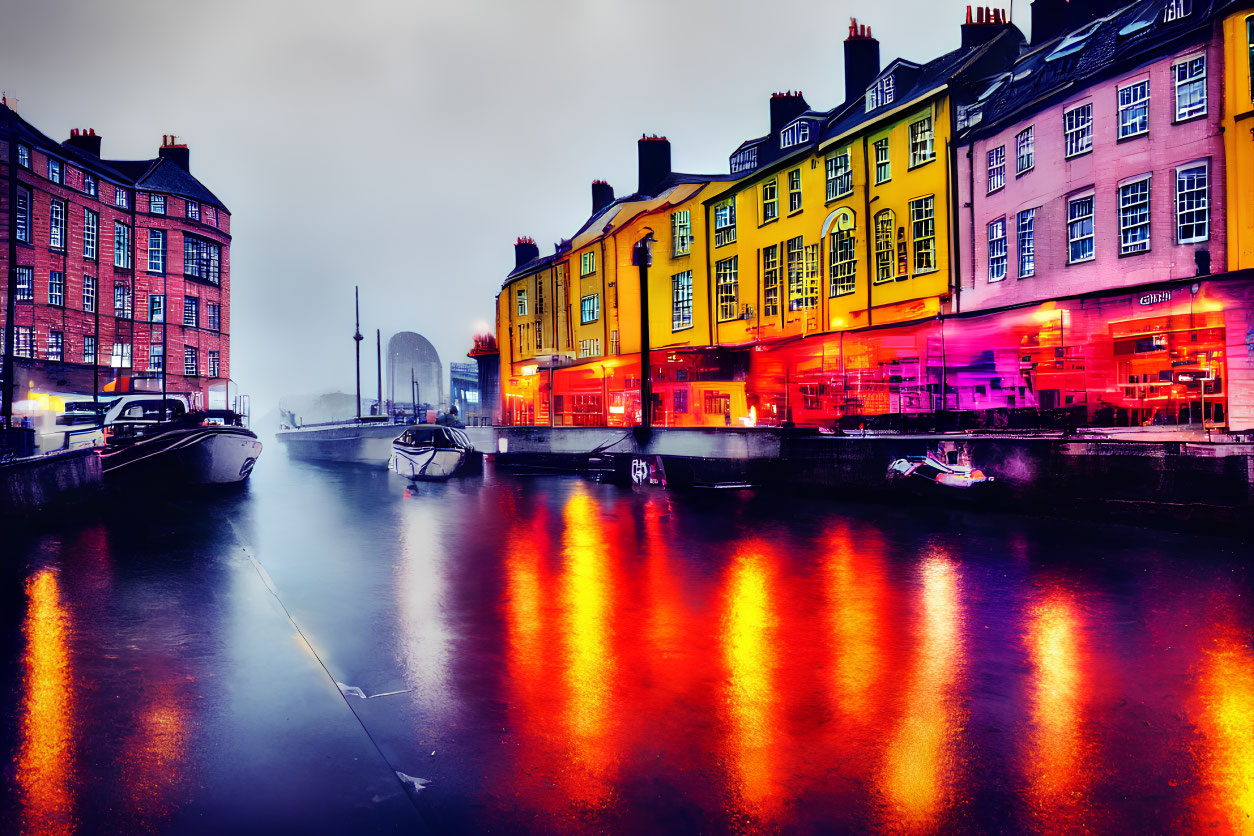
(1014, 234)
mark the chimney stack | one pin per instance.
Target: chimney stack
(84, 139)
(654, 153)
(785, 107)
(862, 60)
(988, 24)
(175, 151)
(602, 195)
(525, 250)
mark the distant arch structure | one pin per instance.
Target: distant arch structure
(412, 354)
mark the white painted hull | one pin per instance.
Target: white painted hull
(351, 442)
(427, 464)
(197, 456)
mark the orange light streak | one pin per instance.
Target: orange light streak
(45, 759)
(1225, 689)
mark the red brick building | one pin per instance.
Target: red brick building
(116, 271)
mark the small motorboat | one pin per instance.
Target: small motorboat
(434, 452)
(946, 466)
(198, 448)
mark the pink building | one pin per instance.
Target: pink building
(1075, 185)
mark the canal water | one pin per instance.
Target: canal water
(327, 651)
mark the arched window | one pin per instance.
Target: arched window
(842, 257)
(884, 223)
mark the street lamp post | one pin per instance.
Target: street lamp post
(642, 257)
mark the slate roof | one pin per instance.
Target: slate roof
(1126, 38)
(163, 175)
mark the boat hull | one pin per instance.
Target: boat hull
(192, 456)
(359, 443)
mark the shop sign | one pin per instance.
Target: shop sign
(1155, 297)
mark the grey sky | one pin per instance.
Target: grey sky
(404, 146)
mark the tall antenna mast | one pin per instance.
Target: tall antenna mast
(357, 340)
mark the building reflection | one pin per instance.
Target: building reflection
(49, 727)
(1059, 750)
(920, 772)
(749, 626)
(422, 587)
(1225, 696)
(153, 755)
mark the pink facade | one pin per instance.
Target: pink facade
(1053, 180)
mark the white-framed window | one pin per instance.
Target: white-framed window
(726, 277)
(191, 311)
(1190, 76)
(1025, 241)
(794, 134)
(190, 365)
(839, 174)
(89, 349)
(770, 200)
(213, 312)
(1077, 130)
(996, 168)
(681, 233)
(25, 284)
(1080, 229)
(745, 160)
(681, 301)
(215, 364)
(156, 251)
(121, 199)
(1134, 109)
(794, 255)
(923, 233)
(89, 294)
(156, 308)
(192, 208)
(770, 280)
(91, 234)
(1192, 203)
(885, 256)
(997, 255)
(921, 142)
(882, 92)
(120, 358)
(522, 301)
(1134, 216)
(590, 308)
(842, 261)
(56, 288)
(89, 184)
(123, 303)
(156, 358)
(209, 215)
(588, 263)
(56, 345)
(1025, 149)
(794, 190)
(23, 155)
(590, 348)
(883, 169)
(725, 222)
(23, 341)
(54, 170)
(56, 224)
(156, 204)
(121, 245)
(23, 215)
(812, 277)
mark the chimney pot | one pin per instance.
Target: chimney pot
(862, 61)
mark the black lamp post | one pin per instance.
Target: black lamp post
(642, 257)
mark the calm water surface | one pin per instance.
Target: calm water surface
(326, 651)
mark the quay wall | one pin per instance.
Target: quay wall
(41, 481)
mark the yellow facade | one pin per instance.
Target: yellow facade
(1238, 124)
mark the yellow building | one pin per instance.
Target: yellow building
(1238, 125)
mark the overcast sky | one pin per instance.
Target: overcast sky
(403, 146)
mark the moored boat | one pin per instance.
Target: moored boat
(197, 448)
(366, 440)
(433, 453)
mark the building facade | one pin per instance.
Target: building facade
(1011, 235)
(118, 272)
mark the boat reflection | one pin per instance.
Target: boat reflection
(1225, 696)
(46, 760)
(921, 767)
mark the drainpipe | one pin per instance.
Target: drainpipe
(971, 207)
(869, 225)
(10, 312)
(642, 255)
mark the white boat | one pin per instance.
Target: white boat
(434, 452)
(197, 448)
(361, 440)
(947, 466)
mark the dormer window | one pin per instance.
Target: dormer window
(880, 93)
(745, 160)
(54, 170)
(1174, 10)
(794, 134)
